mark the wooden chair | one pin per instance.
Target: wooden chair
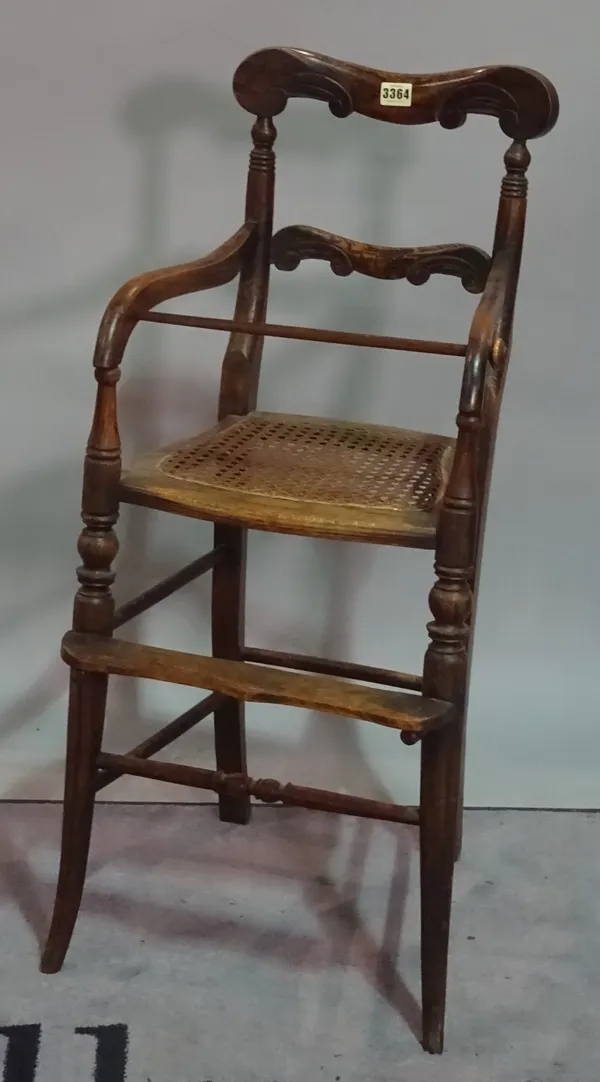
(308, 476)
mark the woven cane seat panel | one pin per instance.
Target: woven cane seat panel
(305, 475)
(297, 458)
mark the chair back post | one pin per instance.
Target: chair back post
(508, 247)
(241, 366)
(453, 599)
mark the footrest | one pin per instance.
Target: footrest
(256, 683)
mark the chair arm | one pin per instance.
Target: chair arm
(140, 294)
(491, 329)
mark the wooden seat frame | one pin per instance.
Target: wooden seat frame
(430, 708)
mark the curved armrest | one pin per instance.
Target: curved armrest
(140, 294)
(491, 327)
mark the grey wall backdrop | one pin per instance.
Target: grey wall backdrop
(123, 149)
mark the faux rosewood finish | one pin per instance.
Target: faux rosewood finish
(134, 608)
(449, 479)
(256, 683)
(295, 243)
(524, 102)
(241, 366)
(407, 470)
(485, 370)
(309, 334)
(141, 294)
(165, 736)
(268, 790)
(93, 612)
(237, 395)
(347, 669)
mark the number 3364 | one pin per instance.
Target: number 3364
(395, 94)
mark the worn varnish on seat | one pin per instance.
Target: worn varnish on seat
(309, 476)
(257, 683)
(302, 474)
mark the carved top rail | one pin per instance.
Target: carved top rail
(295, 243)
(524, 102)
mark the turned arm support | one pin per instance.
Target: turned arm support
(140, 294)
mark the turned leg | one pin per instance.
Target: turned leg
(228, 613)
(93, 613)
(459, 753)
(445, 674)
(440, 800)
(461, 743)
(87, 703)
(439, 805)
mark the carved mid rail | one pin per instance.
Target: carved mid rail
(295, 243)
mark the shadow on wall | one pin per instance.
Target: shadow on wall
(46, 503)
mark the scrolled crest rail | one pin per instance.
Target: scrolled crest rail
(522, 100)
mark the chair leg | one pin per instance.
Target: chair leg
(438, 821)
(228, 617)
(461, 744)
(460, 802)
(87, 704)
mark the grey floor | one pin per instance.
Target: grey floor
(288, 951)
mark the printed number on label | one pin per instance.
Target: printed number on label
(395, 94)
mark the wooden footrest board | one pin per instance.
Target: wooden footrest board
(256, 683)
